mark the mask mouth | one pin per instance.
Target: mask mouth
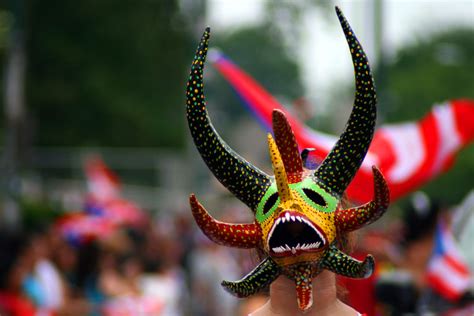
(293, 234)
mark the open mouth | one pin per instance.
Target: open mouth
(293, 234)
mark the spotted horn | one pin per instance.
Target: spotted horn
(358, 217)
(287, 146)
(241, 178)
(231, 235)
(340, 166)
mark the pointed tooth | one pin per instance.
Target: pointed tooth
(278, 221)
(293, 250)
(287, 215)
(288, 248)
(293, 218)
(282, 249)
(298, 246)
(298, 218)
(275, 249)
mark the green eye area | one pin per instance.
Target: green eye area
(268, 204)
(314, 196)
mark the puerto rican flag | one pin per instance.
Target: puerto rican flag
(104, 196)
(80, 228)
(448, 273)
(105, 210)
(102, 183)
(408, 154)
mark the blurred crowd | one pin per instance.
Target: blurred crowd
(167, 266)
(162, 267)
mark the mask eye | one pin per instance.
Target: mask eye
(270, 203)
(315, 197)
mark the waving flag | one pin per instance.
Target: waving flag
(448, 273)
(104, 198)
(102, 183)
(408, 154)
(79, 228)
(105, 210)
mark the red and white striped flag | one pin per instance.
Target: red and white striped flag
(448, 273)
(408, 154)
(102, 183)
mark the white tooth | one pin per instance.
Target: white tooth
(293, 250)
(282, 249)
(283, 219)
(304, 246)
(278, 221)
(287, 216)
(275, 249)
(298, 218)
(293, 218)
(318, 243)
(288, 248)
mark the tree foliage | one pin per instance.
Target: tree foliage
(106, 72)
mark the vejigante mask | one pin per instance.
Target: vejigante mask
(297, 211)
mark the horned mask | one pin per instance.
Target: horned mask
(298, 215)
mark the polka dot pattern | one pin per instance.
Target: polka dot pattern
(242, 179)
(304, 288)
(341, 164)
(340, 263)
(231, 235)
(287, 146)
(259, 278)
(314, 195)
(279, 170)
(355, 218)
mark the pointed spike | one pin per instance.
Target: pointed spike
(286, 143)
(231, 235)
(357, 217)
(279, 171)
(249, 183)
(304, 287)
(259, 278)
(341, 164)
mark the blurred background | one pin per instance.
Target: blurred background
(92, 94)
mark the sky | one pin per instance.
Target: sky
(405, 21)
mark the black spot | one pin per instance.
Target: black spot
(270, 203)
(315, 197)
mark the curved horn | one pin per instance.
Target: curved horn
(355, 218)
(257, 279)
(287, 146)
(231, 235)
(342, 163)
(242, 179)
